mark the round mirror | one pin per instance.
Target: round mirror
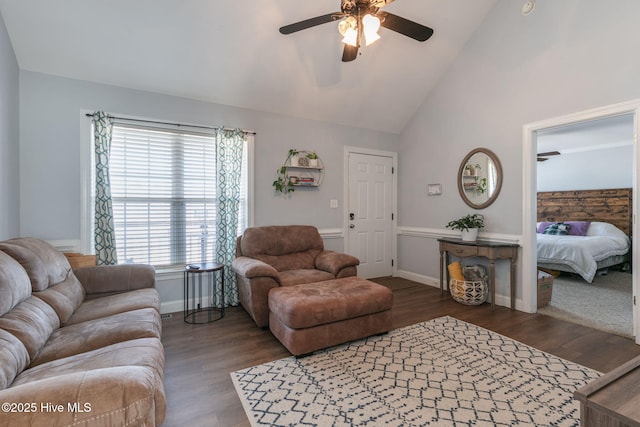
(479, 178)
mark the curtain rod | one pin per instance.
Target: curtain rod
(168, 123)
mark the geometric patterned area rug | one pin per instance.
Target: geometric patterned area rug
(443, 372)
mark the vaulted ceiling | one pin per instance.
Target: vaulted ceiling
(230, 52)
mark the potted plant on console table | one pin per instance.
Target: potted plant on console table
(468, 226)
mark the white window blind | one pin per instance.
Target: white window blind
(163, 187)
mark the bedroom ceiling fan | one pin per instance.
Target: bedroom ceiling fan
(542, 157)
(359, 24)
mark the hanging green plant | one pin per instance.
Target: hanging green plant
(283, 183)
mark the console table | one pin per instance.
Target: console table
(480, 248)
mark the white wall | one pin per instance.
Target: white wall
(587, 170)
(567, 56)
(50, 151)
(9, 138)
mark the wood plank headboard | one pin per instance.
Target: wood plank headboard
(610, 205)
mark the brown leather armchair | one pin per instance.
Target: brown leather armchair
(283, 255)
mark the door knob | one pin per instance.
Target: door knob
(352, 216)
(352, 226)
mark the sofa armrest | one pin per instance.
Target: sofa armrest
(251, 267)
(130, 395)
(333, 262)
(108, 279)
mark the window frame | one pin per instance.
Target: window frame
(87, 179)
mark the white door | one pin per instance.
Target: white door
(369, 210)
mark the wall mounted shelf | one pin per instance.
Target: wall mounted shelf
(299, 171)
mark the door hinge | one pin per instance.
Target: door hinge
(391, 263)
(393, 170)
(634, 300)
(392, 216)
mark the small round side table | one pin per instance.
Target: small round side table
(200, 285)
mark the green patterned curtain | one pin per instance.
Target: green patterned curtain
(229, 145)
(104, 235)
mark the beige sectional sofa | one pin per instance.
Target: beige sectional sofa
(77, 347)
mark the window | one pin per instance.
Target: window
(164, 195)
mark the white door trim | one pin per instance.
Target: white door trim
(394, 188)
(529, 184)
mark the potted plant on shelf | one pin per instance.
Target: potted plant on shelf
(313, 159)
(468, 226)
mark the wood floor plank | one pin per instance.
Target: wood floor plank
(199, 358)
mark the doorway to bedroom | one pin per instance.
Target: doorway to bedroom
(584, 180)
(588, 166)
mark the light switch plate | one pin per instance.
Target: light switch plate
(434, 189)
(333, 204)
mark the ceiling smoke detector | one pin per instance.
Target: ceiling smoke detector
(528, 7)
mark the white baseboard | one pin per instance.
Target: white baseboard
(501, 300)
(178, 305)
(171, 306)
(331, 233)
(425, 280)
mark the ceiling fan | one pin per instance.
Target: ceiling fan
(542, 157)
(359, 24)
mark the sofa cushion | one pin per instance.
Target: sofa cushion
(64, 298)
(32, 322)
(113, 304)
(14, 283)
(44, 264)
(296, 277)
(146, 353)
(14, 357)
(118, 396)
(86, 336)
(140, 352)
(102, 280)
(284, 247)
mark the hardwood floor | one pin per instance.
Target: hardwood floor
(199, 358)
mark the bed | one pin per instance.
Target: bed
(598, 234)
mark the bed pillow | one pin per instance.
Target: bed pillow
(543, 226)
(578, 228)
(606, 229)
(558, 229)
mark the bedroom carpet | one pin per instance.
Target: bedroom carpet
(605, 304)
(441, 372)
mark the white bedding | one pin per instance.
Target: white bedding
(581, 253)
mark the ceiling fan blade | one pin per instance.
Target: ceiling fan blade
(404, 26)
(549, 153)
(311, 22)
(349, 53)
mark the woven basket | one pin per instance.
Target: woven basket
(469, 293)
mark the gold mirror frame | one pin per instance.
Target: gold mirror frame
(470, 185)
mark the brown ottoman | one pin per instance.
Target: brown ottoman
(311, 316)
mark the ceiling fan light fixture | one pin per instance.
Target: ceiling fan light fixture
(348, 28)
(371, 26)
(359, 22)
(347, 23)
(350, 37)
